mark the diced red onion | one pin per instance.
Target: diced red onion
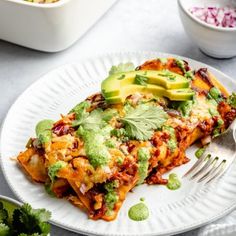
(222, 17)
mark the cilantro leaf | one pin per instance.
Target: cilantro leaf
(141, 80)
(91, 121)
(95, 120)
(3, 215)
(28, 221)
(80, 108)
(122, 67)
(4, 230)
(140, 122)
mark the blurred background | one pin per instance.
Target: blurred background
(129, 25)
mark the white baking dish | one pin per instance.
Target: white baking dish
(48, 27)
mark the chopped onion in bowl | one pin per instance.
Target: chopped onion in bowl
(221, 17)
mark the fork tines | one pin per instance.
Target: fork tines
(207, 168)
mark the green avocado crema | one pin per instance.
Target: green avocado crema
(111, 196)
(44, 131)
(143, 157)
(173, 182)
(138, 212)
(96, 148)
(172, 142)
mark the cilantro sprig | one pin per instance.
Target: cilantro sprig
(25, 221)
(140, 122)
(122, 67)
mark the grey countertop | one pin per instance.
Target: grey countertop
(130, 25)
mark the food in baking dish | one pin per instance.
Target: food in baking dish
(134, 131)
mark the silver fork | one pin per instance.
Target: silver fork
(216, 159)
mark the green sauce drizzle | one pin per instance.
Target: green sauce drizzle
(95, 148)
(172, 142)
(143, 157)
(138, 212)
(200, 152)
(173, 182)
(111, 197)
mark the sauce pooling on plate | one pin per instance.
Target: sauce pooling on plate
(139, 212)
(173, 182)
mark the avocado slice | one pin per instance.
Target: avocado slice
(180, 94)
(175, 94)
(134, 88)
(113, 85)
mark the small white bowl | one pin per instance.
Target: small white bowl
(215, 41)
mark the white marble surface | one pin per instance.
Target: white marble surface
(130, 25)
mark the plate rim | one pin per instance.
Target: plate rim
(82, 61)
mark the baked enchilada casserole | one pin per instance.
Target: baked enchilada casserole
(134, 131)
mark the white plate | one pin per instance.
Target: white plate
(171, 212)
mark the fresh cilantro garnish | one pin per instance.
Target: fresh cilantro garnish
(4, 230)
(118, 132)
(122, 67)
(53, 169)
(25, 221)
(140, 122)
(3, 214)
(30, 221)
(141, 80)
(232, 100)
(80, 108)
(92, 120)
(95, 119)
(108, 114)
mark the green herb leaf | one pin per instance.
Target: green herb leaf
(141, 80)
(31, 221)
(122, 67)
(3, 216)
(80, 108)
(94, 120)
(140, 122)
(4, 230)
